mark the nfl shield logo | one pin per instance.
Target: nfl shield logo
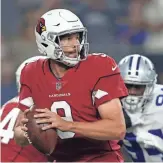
(58, 86)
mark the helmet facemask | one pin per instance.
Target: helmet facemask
(137, 102)
(59, 55)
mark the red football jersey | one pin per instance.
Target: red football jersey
(10, 151)
(75, 97)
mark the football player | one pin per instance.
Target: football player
(143, 109)
(10, 151)
(72, 93)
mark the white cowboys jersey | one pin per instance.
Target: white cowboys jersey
(144, 141)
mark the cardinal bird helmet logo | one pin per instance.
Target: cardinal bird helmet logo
(41, 26)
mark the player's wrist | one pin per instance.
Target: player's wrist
(71, 126)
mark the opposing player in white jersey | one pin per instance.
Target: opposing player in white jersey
(10, 151)
(143, 109)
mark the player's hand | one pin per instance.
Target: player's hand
(52, 119)
(23, 123)
(20, 131)
(24, 120)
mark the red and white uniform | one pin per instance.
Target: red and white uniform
(10, 151)
(75, 97)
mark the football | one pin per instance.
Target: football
(43, 141)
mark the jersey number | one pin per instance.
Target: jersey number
(10, 119)
(100, 54)
(63, 105)
(159, 99)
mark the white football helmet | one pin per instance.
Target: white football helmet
(51, 26)
(19, 69)
(137, 70)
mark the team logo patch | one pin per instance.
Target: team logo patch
(41, 26)
(58, 86)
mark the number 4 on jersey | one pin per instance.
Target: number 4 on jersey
(10, 119)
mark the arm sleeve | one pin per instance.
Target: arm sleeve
(110, 84)
(25, 96)
(108, 88)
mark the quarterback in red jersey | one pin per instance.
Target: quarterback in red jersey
(10, 151)
(76, 93)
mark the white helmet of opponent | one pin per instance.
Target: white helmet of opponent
(138, 70)
(51, 26)
(19, 69)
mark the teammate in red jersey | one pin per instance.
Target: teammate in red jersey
(10, 151)
(79, 95)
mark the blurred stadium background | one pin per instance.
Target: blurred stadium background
(115, 27)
